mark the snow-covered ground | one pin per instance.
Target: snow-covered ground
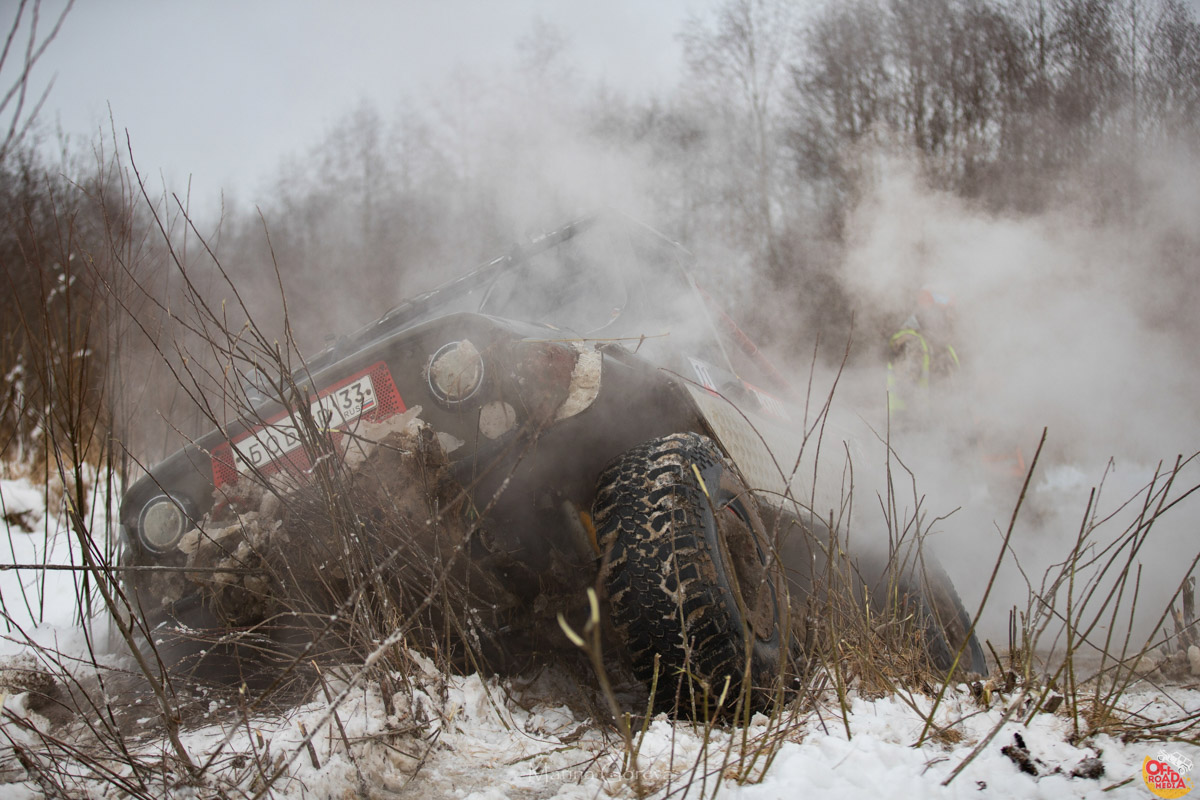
(490, 738)
(43, 604)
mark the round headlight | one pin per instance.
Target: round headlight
(455, 372)
(162, 523)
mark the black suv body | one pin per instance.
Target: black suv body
(609, 421)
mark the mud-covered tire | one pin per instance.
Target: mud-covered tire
(925, 589)
(689, 574)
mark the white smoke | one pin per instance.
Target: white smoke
(1062, 324)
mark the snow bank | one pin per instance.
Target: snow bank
(22, 505)
(486, 739)
(41, 606)
(446, 736)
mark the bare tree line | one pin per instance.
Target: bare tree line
(1003, 100)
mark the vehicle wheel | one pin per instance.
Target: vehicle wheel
(689, 574)
(948, 623)
(927, 590)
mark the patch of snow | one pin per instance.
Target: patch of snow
(1063, 478)
(449, 736)
(486, 738)
(22, 505)
(42, 606)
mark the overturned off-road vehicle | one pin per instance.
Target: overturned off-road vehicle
(575, 414)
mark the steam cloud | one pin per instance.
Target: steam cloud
(1064, 323)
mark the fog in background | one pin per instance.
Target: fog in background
(1062, 323)
(1037, 161)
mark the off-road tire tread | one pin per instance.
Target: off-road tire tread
(659, 571)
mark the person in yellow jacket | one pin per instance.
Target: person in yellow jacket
(920, 353)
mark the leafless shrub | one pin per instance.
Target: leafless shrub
(385, 577)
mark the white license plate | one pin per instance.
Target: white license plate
(331, 411)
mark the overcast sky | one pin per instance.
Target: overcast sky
(223, 90)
